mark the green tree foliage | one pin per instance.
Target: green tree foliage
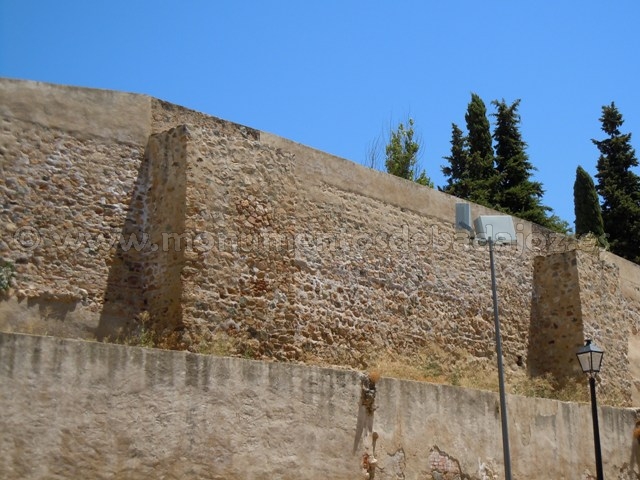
(423, 179)
(7, 273)
(470, 172)
(515, 192)
(401, 155)
(618, 186)
(457, 172)
(480, 161)
(479, 138)
(587, 205)
(557, 224)
(501, 181)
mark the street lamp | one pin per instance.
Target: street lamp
(503, 400)
(485, 225)
(590, 358)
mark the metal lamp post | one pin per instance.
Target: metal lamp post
(503, 401)
(590, 358)
(463, 221)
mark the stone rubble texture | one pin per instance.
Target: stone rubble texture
(117, 205)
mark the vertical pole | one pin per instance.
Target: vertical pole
(596, 428)
(503, 401)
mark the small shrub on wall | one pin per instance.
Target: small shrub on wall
(7, 273)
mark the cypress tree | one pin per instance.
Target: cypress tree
(515, 192)
(587, 206)
(480, 153)
(618, 186)
(458, 169)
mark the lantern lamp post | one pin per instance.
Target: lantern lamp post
(590, 358)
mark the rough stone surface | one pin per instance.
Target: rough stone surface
(117, 205)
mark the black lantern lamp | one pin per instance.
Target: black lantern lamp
(590, 358)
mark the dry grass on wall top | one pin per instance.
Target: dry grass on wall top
(146, 333)
(434, 364)
(460, 369)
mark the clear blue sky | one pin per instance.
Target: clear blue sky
(334, 74)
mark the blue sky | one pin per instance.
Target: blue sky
(335, 74)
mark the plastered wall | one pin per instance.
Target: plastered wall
(71, 408)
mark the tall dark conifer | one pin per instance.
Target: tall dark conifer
(587, 205)
(619, 186)
(457, 172)
(515, 193)
(480, 153)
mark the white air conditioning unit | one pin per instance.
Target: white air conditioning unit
(463, 218)
(497, 227)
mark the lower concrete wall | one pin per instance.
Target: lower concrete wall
(76, 409)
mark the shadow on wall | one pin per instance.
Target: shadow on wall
(555, 327)
(145, 270)
(123, 297)
(53, 308)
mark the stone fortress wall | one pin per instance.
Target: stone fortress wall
(303, 256)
